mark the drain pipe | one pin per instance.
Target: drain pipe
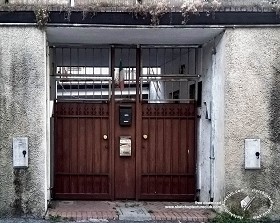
(212, 163)
(212, 131)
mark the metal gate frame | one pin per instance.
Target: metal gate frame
(138, 115)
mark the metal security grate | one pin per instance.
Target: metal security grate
(169, 71)
(89, 88)
(166, 74)
(82, 74)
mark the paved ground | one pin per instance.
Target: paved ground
(127, 210)
(20, 220)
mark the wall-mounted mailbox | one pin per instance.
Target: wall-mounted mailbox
(125, 145)
(125, 115)
(20, 152)
(252, 154)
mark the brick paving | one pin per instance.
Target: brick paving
(111, 210)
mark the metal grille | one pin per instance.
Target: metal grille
(82, 74)
(167, 72)
(125, 73)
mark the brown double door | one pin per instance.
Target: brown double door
(92, 159)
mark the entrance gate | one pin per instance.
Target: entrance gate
(125, 126)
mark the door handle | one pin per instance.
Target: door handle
(145, 136)
(105, 137)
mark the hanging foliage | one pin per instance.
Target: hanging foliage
(140, 8)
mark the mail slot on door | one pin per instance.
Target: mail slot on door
(125, 115)
(125, 145)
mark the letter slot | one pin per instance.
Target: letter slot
(125, 115)
(125, 145)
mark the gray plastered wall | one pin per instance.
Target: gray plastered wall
(23, 114)
(252, 108)
(211, 121)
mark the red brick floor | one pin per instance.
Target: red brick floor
(86, 210)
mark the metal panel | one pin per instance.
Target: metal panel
(125, 146)
(125, 166)
(20, 152)
(252, 154)
(81, 151)
(168, 151)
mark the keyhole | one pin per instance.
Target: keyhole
(258, 155)
(24, 153)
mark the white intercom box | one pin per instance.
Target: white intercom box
(252, 154)
(20, 152)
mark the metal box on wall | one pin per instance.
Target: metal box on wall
(125, 115)
(20, 152)
(125, 145)
(252, 154)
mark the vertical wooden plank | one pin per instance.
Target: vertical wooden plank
(58, 154)
(97, 153)
(105, 153)
(112, 124)
(159, 155)
(65, 156)
(183, 154)
(89, 163)
(152, 154)
(74, 158)
(93, 154)
(82, 155)
(175, 145)
(168, 153)
(144, 156)
(138, 114)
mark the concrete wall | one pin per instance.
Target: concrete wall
(39, 2)
(23, 114)
(252, 108)
(211, 126)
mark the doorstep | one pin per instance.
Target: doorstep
(127, 210)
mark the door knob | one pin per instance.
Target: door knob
(145, 136)
(105, 137)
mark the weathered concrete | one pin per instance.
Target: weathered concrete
(211, 125)
(22, 114)
(252, 104)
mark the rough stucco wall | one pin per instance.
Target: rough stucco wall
(217, 117)
(211, 132)
(40, 2)
(252, 108)
(22, 114)
(205, 125)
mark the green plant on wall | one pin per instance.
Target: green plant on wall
(42, 17)
(190, 7)
(140, 8)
